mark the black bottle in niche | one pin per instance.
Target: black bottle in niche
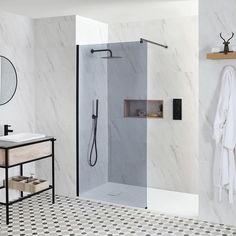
(177, 109)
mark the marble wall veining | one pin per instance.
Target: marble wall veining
(172, 146)
(90, 31)
(215, 16)
(55, 71)
(17, 44)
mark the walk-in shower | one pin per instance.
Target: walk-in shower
(114, 148)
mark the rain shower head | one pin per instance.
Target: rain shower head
(111, 57)
(106, 50)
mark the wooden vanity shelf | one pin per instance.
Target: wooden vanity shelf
(221, 56)
(143, 108)
(25, 184)
(14, 154)
(26, 153)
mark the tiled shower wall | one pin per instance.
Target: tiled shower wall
(215, 16)
(17, 44)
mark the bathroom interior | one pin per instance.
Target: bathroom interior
(116, 108)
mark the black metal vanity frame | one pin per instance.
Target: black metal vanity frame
(8, 203)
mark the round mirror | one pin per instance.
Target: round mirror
(8, 80)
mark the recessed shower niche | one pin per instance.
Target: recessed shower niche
(143, 108)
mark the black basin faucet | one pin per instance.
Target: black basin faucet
(7, 130)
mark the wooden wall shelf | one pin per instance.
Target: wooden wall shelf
(143, 109)
(221, 56)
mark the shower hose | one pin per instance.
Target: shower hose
(92, 163)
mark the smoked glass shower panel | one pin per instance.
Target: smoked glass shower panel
(109, 75)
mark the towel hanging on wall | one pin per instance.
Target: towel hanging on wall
(224, 171)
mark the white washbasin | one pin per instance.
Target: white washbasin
(21, 137)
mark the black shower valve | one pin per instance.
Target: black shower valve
(177, 109)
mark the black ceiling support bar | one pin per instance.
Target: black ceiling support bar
(149, 41)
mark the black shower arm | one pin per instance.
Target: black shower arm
(102, 50)
(149, 41)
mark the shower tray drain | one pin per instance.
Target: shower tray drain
(114, 194)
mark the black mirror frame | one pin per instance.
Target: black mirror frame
(1, 104)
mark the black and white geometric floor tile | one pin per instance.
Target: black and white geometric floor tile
(71, 217)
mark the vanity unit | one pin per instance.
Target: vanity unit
(19, 153)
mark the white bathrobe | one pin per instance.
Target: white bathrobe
(225, 134)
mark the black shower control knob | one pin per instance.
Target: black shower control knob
(177, 109)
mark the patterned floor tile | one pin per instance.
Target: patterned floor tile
(72, 217)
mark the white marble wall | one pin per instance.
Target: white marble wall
(172, 146)
(17, 44)
(55, 68)
(215, 16)
(90, 31)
